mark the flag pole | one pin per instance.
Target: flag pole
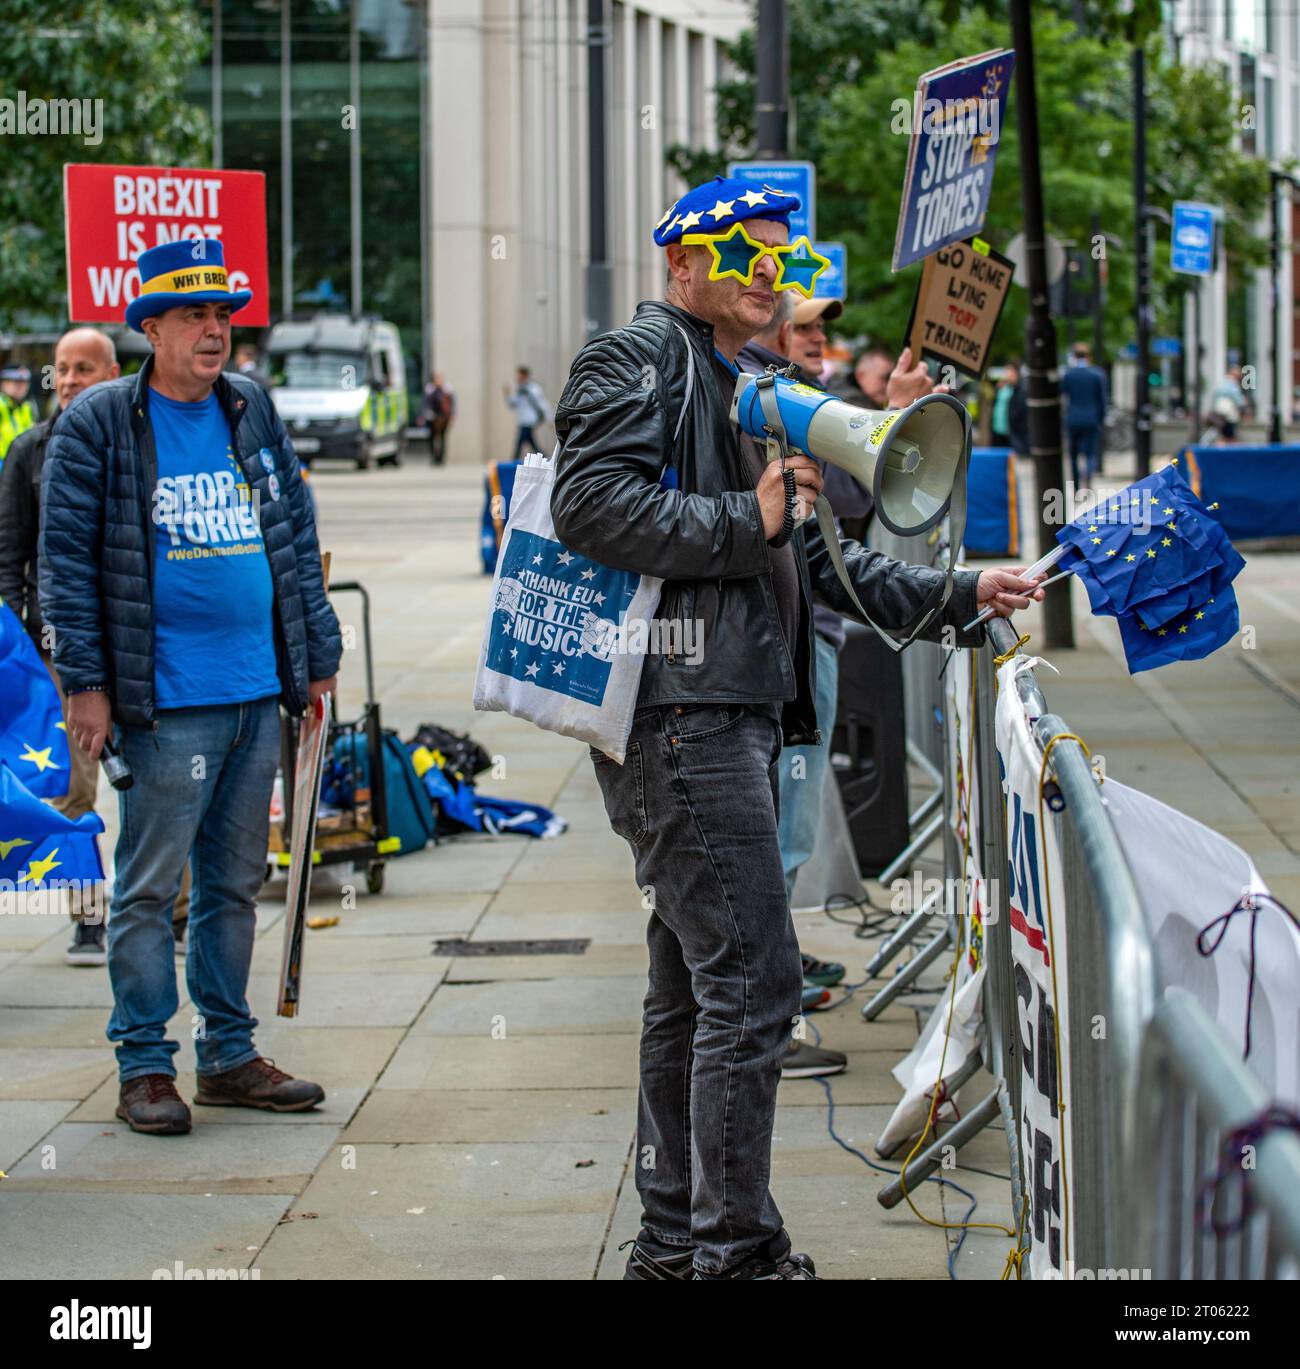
(1040, 335)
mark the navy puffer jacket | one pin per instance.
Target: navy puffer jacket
(97, 544)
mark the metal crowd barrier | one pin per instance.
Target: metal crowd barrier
(1151, 1101)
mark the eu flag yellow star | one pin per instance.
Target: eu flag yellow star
(12, 844)
(1151, 551)
(1166, 541)
(1200, 613)
(40, 759)
(1111, 552)
(1130, 557)
(721, 209)
(1183, 628)
(1160, 632)
(1096, 541)
(38, 869)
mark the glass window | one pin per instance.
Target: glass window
(1267, 119)
(391, 42)
(1249, 96)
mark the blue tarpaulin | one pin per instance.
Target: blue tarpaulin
(1257, 489)
(992, 515)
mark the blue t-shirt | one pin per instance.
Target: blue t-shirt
(214, 642)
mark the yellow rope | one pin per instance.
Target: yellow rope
(1000, 661)
(952, 975)
(1016, 1257)
(1056, 1011)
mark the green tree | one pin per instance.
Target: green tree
(133, 55)
(847, 108)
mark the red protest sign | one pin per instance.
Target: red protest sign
(113, 213)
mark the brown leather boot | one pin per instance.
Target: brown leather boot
(258, 1084)
(150, 1103)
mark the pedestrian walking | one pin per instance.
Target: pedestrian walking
(530, 408)
(439, 411)
(195, 607)
(1087, 394)
(697, 799)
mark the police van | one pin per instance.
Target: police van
(339, 385)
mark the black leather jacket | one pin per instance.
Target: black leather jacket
(615, 421)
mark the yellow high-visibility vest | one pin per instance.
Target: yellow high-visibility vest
(14, 419)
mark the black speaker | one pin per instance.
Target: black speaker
(869, 748)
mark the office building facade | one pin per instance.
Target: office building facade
(426, 161)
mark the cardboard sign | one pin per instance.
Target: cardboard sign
(113, 213)
(955, 127)
(958, 304)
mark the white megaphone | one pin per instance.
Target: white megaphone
(907, 458)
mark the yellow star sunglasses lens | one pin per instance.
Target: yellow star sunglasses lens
(736, 256)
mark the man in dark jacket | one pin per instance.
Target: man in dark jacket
(1087, 396)
(83, 357)
(697, 795)
(180, 571)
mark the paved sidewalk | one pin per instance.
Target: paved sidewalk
(480, 1110)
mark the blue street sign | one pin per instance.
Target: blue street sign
(1166, 347)
(956, 127)
(832, 282)
(1193, 238)
(792, 178)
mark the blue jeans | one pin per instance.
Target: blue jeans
(803, 771)
(697, 801)
(203, 782)
(1085, 453)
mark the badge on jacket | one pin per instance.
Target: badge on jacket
(268, 460)
(273, 486)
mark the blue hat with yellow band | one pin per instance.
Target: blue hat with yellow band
(191, 271)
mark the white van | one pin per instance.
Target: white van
(339, 385)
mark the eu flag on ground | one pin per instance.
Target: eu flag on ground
(33, 740)
(1153, 557)
(38, 845)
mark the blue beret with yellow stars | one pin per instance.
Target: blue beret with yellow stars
(720, 203)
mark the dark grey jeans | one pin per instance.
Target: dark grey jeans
(697, 800)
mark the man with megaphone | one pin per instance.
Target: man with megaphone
(697, 795)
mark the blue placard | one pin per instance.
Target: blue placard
(833, 282)
(956, 124)
(1192, 247)
(794, 178)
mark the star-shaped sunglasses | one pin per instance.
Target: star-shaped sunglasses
(736, 255)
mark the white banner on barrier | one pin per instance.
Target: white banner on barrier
(1189, 878)
(918, 1071)
(1039, 955)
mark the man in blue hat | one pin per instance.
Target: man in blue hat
(653, 478)
(180, 572)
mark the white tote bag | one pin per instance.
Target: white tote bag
(565, 642)
(558, 649)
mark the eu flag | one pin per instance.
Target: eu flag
(33, 740)
(38, 845)
(1153, 557)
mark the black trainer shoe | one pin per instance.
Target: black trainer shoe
(87, 946)
(773, 1261)
(652, 1260)
(150, 1103)
(803, 1060)
(827, 973)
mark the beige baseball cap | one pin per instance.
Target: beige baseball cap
(809, 309)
